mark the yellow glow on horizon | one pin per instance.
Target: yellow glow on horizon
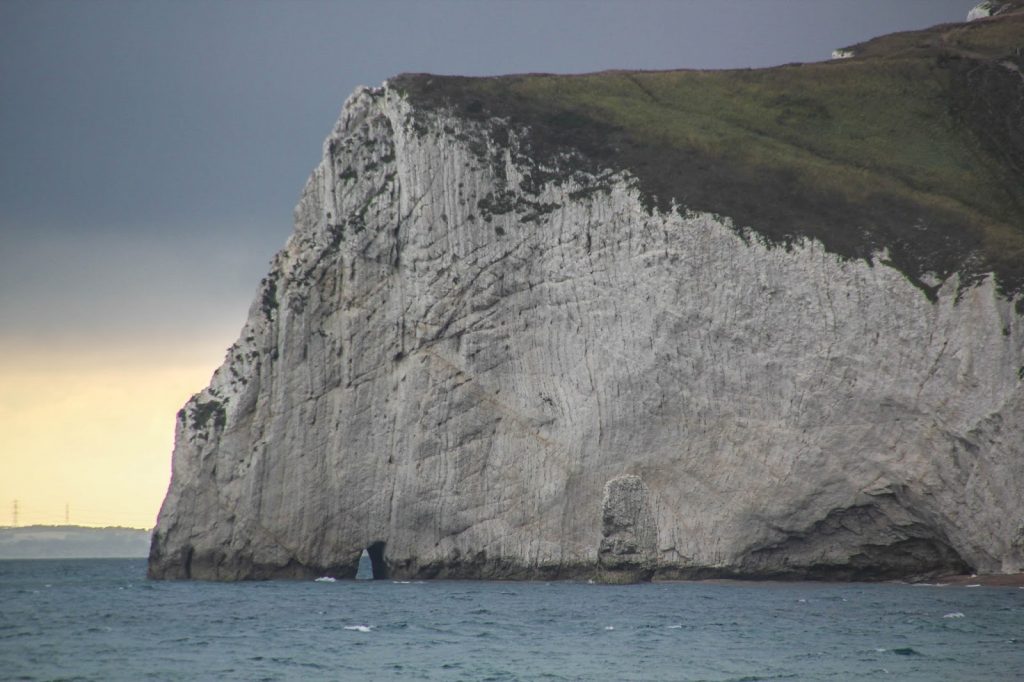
(93, 433)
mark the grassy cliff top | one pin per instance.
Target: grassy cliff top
(915, 145)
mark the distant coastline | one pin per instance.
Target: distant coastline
(73, 542)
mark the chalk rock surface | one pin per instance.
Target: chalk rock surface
(989, 8)
(478, 374)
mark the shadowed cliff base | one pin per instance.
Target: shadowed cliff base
(913, 560)
(859, 571)
(913, 148)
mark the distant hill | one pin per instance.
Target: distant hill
(72, 542)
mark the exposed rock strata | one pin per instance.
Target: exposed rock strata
(629, 541)
(990, 8)
(480, 371)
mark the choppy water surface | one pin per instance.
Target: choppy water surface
(101, 619)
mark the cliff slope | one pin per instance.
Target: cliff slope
(637, 325)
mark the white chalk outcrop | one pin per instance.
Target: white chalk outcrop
(472, 376)
(982, 10)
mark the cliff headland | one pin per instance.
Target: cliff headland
(637, 325)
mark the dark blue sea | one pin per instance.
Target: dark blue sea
(102, 620)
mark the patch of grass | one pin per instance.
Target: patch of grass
(916, 146)
(203, 413)
(268, 297)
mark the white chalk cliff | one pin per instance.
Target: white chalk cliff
(983, 10)
(473, 375)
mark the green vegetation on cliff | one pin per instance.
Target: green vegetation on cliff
(914, 147)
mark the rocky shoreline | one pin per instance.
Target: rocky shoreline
(987, 580)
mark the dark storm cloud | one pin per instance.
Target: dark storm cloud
(150, 153)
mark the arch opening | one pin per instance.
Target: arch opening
(364, 569)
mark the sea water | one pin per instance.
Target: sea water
(102, 620)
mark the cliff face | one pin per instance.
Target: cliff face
(486, 354)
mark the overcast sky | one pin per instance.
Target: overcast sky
(151, 152)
